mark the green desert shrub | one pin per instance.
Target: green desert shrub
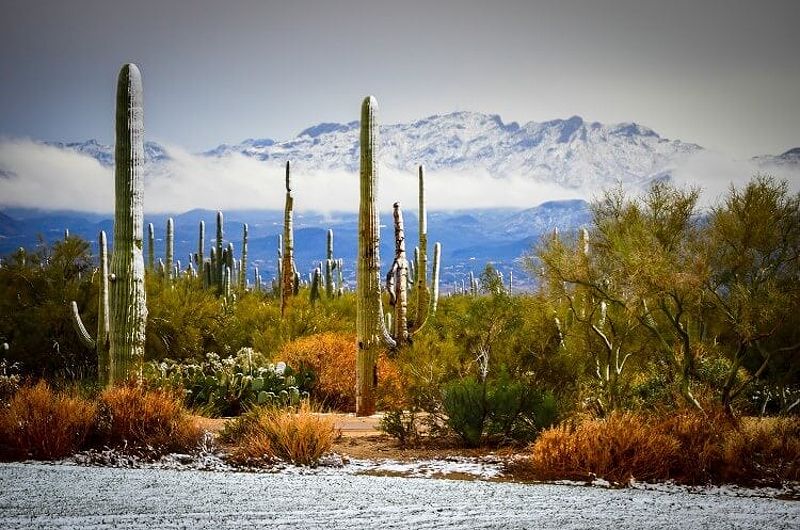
(497, 410)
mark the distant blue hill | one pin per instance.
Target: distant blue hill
(470, 239)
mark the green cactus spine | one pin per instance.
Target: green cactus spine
(288, 283)
(170, 251)
(243, 264)
(371, 330)
(151, 247)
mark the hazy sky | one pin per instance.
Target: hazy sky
(724, 74)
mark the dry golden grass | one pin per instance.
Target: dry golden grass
(130, 415)
(686, 446)
(768, 448)
(332, 358)
(265, 434)
(40, 423)
(617, 448)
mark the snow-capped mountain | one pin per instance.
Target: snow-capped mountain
(790, 158)
(572, 153)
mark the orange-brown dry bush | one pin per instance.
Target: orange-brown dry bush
(332, 358)
(41, 423)
(265, 434)
(617, 448)
(132, 416)
(687, 446)
(765, 448)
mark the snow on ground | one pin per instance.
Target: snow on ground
(73, 496)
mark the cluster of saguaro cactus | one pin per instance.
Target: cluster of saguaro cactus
(120, 339)
(403, 274)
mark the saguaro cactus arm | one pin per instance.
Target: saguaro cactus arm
(80, 329)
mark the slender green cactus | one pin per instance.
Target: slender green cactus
(421, 272)
(330, 264)
(201, 245)
(289, 285)
(101, 345)
(370, 325)
(151, 247)
(170, 251)
(316, 279)
(243, 264)
(220, 263)
(437, 259)
(207, 275)
(230, 260)
(340, 279)
(227, 292)
(213, 262)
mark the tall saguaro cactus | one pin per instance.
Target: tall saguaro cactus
(370, 325)
(398, 279)
(330, 264)
(437, 259)
(219, 270)
(201, 245)
(243, 265)
(288, 286)
(423, 294)
(127, 305)
(170, 253)
(151, 247)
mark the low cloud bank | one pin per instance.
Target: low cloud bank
(41, 176)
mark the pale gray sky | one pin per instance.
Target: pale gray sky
(724, 74)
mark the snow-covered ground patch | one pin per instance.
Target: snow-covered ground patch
(58, 496)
